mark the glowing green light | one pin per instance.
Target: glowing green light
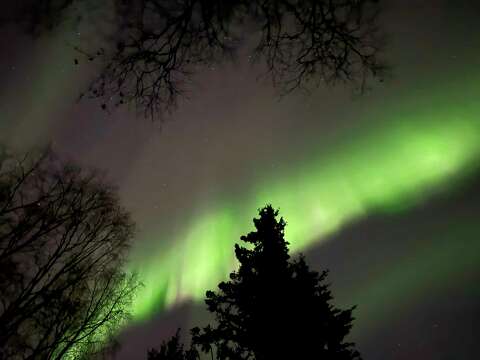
(380, 169)
(392, 169)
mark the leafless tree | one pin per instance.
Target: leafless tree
(159, 44)
(302, 43)
(324, 41)
(63, 241)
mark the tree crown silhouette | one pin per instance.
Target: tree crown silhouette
(63, 242)
(273, 306)
(158, 45)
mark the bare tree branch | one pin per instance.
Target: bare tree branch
(63, 242)
(158, 45)
(304, 41)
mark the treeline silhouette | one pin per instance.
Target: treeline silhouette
(64, 294)
(63, 242)
(156, 46)
(272, 307)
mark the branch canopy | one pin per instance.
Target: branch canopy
(63, 241)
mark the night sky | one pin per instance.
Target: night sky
(382, 189)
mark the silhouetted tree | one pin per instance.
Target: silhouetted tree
(63, 241)
(173, 349)
(159, 44)
(274, 307)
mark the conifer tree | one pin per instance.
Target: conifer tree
(274, 307)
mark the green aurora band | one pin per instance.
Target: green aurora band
(422, 149)
(423, 145)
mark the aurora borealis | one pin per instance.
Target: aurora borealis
(382, 189)
(414, 156)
